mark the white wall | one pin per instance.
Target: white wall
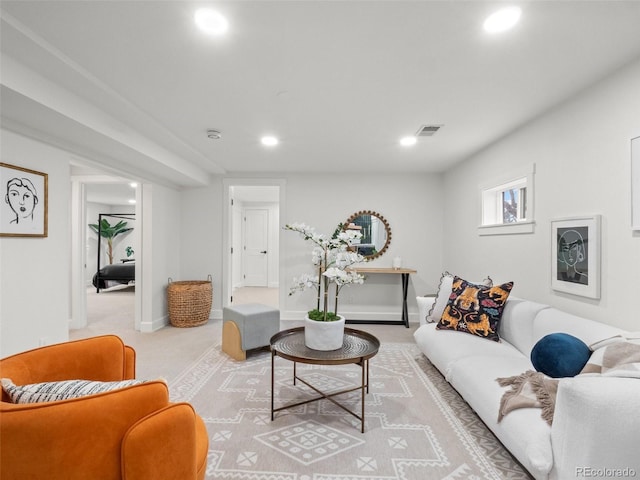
(159, 252)
(411, 204)
(201, 238)
(35, 272)
(582, 154)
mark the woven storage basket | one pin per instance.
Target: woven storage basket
(189, 302)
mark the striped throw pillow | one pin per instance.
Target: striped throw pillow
(54, 391)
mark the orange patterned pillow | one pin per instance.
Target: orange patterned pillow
(475, 309)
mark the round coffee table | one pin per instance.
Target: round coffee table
(358, 347)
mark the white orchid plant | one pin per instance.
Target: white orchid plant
(332, 258)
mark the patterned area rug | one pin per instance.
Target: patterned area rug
(416, 426)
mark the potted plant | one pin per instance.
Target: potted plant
(332, 257)
(108, 231)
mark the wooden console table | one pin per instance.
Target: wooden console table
(404, 276)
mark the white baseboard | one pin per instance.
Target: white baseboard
(156, 324)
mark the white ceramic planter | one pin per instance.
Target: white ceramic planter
(323, 335)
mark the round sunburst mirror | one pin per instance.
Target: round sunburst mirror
(376, 233)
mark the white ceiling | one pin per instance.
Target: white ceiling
(110, 193)
(133, 86)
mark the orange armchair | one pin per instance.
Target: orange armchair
(133, 433)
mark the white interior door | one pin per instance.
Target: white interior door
(256, 234)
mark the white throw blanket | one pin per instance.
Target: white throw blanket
(619, 359)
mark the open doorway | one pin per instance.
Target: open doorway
(111, 295)
(254, 244)
(103, 303)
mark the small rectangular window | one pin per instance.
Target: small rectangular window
(508, 205)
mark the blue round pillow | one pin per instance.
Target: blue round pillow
(560, 355)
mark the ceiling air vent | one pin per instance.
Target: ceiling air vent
(428, 130)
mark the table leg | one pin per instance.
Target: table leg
(362, 367)
(294, 372)
(367, 362)
(405, 290)
(273, 356)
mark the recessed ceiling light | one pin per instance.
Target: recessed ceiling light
(210, 21)
(502, 20)
(132, 201)
(133, 185)
(269, 141)
(408, 141)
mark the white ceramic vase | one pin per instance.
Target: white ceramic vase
(323, 335)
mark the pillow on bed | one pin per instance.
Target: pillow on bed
(54, 391)
(444, 292)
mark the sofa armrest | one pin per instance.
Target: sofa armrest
(424, 304)
(596, 427)
(74, 439)
(162, 445)
(129, 363)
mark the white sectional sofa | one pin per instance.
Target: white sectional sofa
(596, 425)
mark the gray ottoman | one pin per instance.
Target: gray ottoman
(248, 326)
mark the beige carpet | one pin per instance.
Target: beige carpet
(112, 306)
(417, 427)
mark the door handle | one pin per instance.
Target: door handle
(263, 251)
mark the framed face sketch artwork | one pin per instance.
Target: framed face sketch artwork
(23, 206)
(575, 256)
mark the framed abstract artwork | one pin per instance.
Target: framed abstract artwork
(23, 208)
(575, 256)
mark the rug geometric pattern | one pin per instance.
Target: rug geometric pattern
(416, 426)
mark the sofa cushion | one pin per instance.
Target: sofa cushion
(525, 434)
(54, 391)
(442, 296)
(516, 324)
(552, 320)
(560, 355)
(475, 309)
(444, 348)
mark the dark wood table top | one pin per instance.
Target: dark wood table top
(357, 346)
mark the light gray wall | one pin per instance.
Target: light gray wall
(35, 272)
(159, 252)
(201, 230)
(582, 154)
(411, 204)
